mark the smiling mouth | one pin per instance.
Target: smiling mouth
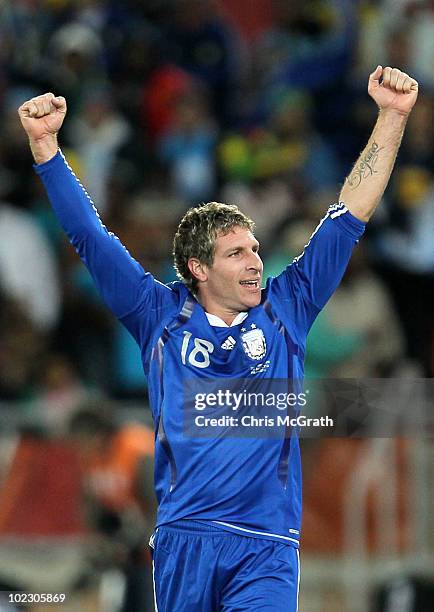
(253, 284)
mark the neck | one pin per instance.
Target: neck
(226, 314)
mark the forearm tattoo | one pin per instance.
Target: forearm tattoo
(366, 167)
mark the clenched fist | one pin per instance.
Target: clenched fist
(397, 91)
(42, 118)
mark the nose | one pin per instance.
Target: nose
(254, 263)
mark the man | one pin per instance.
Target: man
(228, 523)
(116, 462)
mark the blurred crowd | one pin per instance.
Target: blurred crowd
(262, 103)
(174, 102)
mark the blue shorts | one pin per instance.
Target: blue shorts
(201, 568)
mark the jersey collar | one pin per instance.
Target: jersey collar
(215, 321)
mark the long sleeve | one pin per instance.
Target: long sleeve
(309, 282)
(132, 294)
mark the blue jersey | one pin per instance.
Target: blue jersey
(249, 486)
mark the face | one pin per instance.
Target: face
(233, 283)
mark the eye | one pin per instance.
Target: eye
(234, 253)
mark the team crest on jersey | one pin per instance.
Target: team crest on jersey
(254, 344)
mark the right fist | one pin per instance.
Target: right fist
(43, 116)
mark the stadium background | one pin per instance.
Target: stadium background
(173, 102)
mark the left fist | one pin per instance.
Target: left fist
(393, 89)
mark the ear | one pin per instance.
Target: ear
(198, 269)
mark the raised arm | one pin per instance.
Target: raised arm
(133, 295)
(395, 94)
(314, 275)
